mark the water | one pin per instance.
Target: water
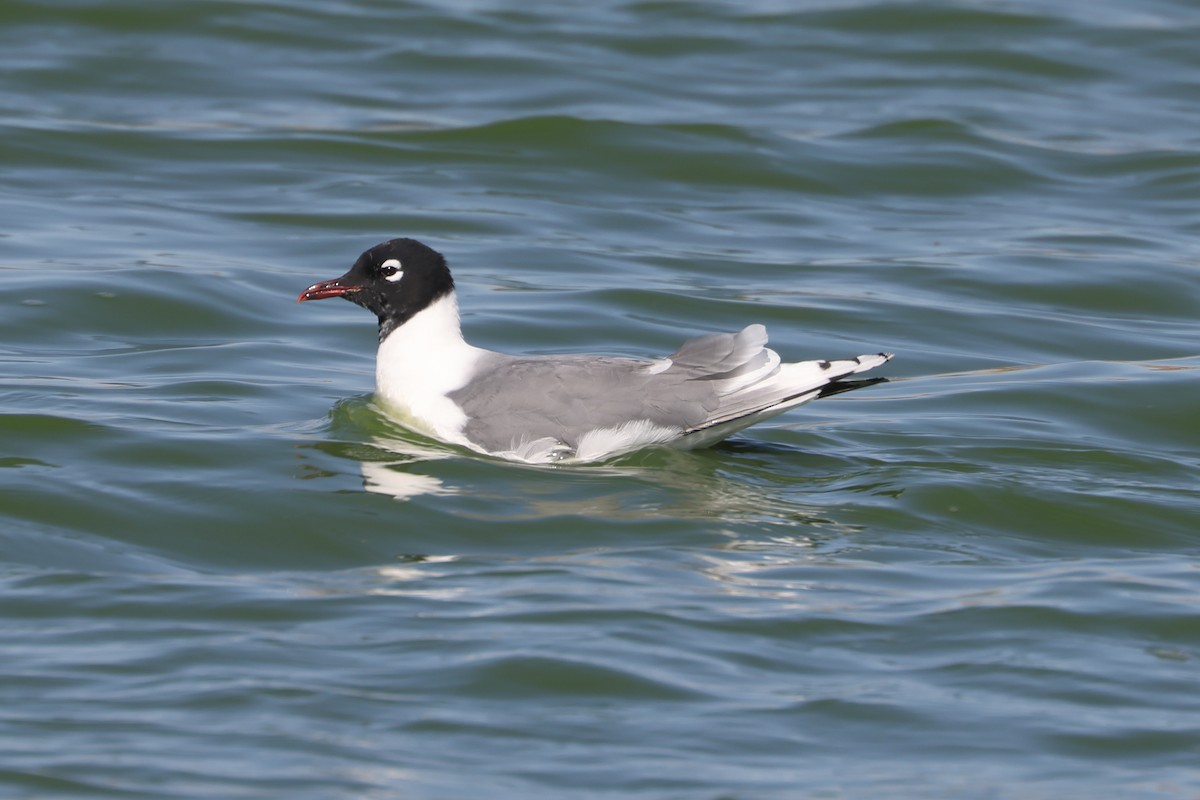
(226, 574)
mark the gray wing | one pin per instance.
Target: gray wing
(722, 356)
(514, 399)
(710, 382)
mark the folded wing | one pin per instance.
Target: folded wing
(587, 408)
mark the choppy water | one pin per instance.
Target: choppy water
(225, 574)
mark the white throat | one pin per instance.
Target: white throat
(420, 362)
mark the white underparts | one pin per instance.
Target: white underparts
(595, 445)
(634, 435)
(419, 363)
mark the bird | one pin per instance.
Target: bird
(558, 409)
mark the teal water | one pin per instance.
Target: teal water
(224, 573)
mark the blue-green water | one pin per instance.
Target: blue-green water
(226, 575)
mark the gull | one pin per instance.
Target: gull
(543, 409)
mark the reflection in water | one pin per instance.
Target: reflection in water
(655, 484)
(785, 496)
(387, 457)
(753, 519)
(423, 576)
(393, 479)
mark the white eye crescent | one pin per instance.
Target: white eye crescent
(390, 270)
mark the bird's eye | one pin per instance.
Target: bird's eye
(390, 270)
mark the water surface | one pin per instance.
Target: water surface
(225, 573)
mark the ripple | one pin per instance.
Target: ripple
(227, 574)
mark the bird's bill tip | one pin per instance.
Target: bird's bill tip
(334, 288)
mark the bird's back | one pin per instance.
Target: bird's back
(543, 408)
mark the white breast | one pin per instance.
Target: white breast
(419, 363)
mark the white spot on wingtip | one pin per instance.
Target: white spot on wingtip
(658, 365)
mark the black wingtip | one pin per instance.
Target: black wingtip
(837, 387)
